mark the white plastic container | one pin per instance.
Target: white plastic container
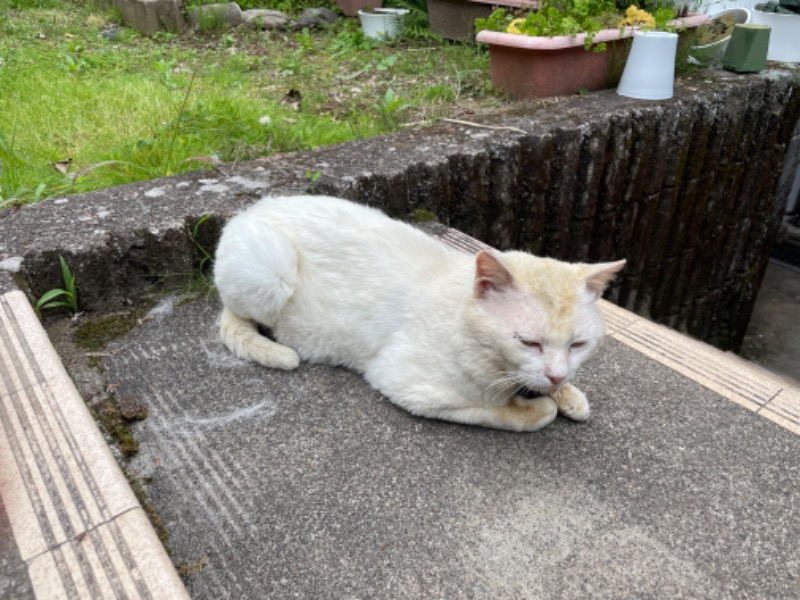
(714, 52)
(382, 22)
(784, 40)
(649, 72)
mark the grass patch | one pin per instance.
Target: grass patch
(127, 108)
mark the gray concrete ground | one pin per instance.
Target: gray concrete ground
(310, 484)
(773, 336)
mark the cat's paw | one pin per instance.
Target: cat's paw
(532, 414)
(284, 358)
(572, 403)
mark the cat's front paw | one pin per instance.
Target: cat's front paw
(572, 403)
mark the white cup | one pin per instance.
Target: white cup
(382, 22)
(649, 72)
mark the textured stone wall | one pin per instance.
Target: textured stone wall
(686, 190)
(690, 191)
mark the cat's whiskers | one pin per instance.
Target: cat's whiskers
(503, 385)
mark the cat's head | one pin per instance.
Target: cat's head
(538, 316)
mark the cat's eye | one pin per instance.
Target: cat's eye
(577, 345)
(531, 344)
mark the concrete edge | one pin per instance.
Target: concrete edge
(768, 394)
(76, 522)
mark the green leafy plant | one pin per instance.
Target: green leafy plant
(12, 168)
(164, 69)
(66, 298)
(313, 177)
(194, 235)
(569, 17)
(389, 107)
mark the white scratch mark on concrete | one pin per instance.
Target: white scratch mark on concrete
(155, 192)
(219, 356)
(248, 184)
(162, 309)
(190, 426)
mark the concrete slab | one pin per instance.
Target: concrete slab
(310, 484)
(683, 484)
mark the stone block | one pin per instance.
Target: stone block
(259, 18)
(151, 16)
(216, 16)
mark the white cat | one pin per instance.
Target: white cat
(442, 333)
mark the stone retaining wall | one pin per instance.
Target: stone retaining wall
(690, 191)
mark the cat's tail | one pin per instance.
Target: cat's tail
(242, 338)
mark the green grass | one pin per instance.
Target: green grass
(137, 108)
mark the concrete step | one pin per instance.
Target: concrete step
(77, 526)
(310, 484)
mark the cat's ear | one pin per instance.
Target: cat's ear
(490, 274)
(600, 275)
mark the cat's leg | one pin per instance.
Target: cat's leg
(572, 403)
(242, 338)
(520, 414)
(255, 273)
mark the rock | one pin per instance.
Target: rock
(110, 34)
(216, 16)
(259, 18)
(315, 17)
(131, 408)
(151, 16)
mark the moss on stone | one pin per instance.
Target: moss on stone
(420, 215)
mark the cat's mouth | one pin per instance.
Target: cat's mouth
(530, 394)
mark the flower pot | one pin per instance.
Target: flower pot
(783, 43)
(351, 7)
(537, 67)
(650, 69)
(382, 22)
(711, 53)
(747, 51)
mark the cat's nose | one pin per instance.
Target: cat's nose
(555, 379)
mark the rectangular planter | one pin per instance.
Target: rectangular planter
(538, 67)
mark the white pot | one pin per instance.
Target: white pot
(649, 72)
(713, 52)
(783, 39)
(382, 22)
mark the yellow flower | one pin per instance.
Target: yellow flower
(513, 27)
(636, 17)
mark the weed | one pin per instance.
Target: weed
(386, 63)
(175, 129)
(304, 39)
(164, 68)
(313, 177)
(194, 235)
(51, 299)
(350, 41)
(390, 107)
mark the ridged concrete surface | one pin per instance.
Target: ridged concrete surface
(76, 523)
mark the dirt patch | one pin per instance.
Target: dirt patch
(80, 342)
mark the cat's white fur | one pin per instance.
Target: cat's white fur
(441, 333)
